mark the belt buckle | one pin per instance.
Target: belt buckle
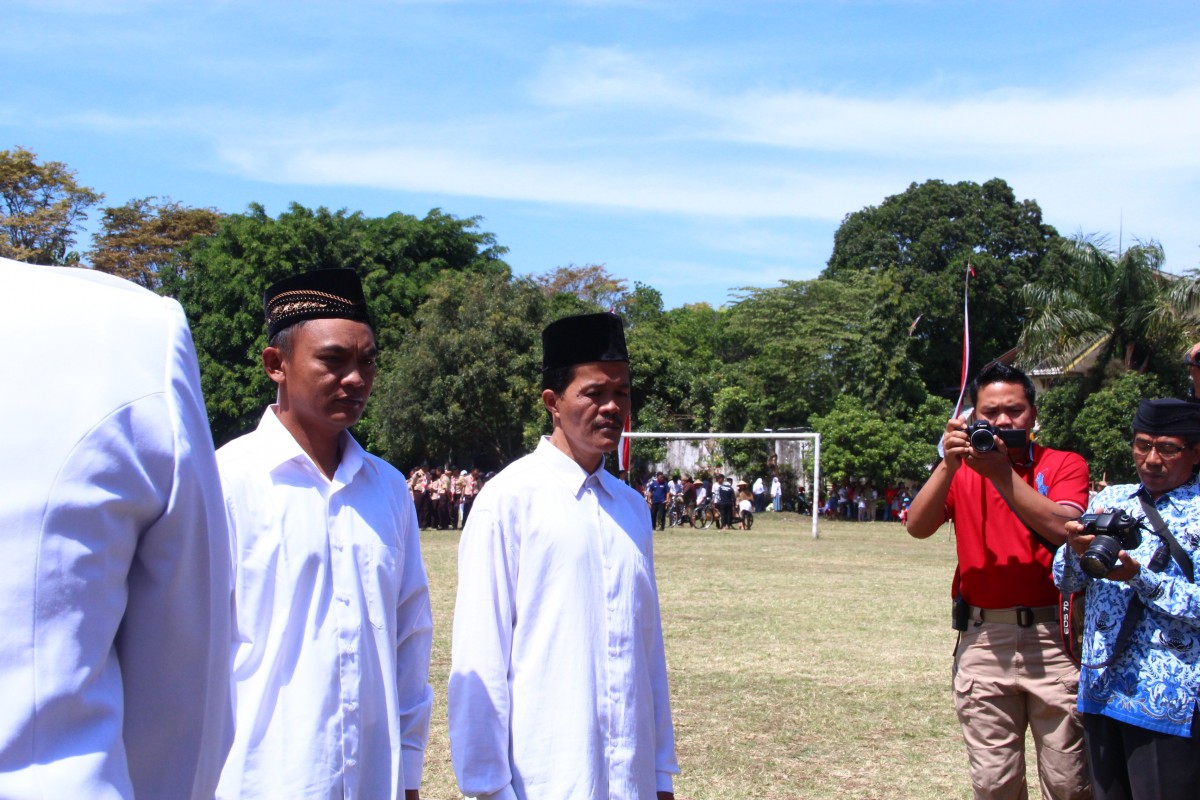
(1024, 617)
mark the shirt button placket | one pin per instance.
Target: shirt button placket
(612, 700)
(342, 570)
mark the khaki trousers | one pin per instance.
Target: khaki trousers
(1006, 679)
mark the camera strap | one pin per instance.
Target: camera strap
(1163, 532)
(1133, 614)
(1070, 608)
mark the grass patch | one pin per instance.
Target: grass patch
(799, 668)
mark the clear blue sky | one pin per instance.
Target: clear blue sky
(694, 146)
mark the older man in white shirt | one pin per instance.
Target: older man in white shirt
(334, 624)
(558, 686)
(115, 591)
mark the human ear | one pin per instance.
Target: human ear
(272, 361)
(550, 401)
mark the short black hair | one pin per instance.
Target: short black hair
(998, 372)
(558, 379)
(284, 338)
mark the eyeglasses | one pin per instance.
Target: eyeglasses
(1191, 360)
(1165, 449)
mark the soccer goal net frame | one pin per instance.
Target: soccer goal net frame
(815, 438)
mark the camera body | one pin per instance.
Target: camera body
(982, 435)
(1114, 531)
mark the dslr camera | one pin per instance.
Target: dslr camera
(982, 435)
(1114, 531)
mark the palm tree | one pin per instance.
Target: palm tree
(1121, 303)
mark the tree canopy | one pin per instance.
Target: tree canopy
(139, 239)
(220, 280)
(41, 208)
(1119, 303)
(867, 353)
(857, 442)
(917, 247)
(464, 388)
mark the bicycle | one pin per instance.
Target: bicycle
(677, 513)
(705, 516)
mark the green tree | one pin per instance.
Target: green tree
(139, 239)
(220, 280)
(464, 388)
(799, 346)
(675, 374)
(859, 442)
(41, 209)
(916, 247)
(1103, 427)
(1058, 408)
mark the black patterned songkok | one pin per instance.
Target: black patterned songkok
(321, 294)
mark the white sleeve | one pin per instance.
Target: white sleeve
(175, 638)
(414, 642)
(479, 696)
(665, 762)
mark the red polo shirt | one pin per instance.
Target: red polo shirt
(1000, 563)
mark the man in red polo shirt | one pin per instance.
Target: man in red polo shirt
(1011, 673)
(1192, 360)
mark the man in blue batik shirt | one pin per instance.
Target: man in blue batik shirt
(1138, 683)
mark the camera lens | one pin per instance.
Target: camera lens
(1101, 557)
(983, 440)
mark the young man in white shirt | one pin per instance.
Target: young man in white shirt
(558, 686)
(331, 668)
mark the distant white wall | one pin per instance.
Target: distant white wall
(692, 455)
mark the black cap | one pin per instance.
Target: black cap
(582, 340)
(1168, 417)
(321, 294)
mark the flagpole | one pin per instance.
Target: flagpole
(966, 351)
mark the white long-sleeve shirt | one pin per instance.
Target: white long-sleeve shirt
(331, 669)
(558, 687)
(115, 586)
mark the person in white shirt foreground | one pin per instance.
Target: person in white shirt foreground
(331, 669)
(115, 592)
(558, 681)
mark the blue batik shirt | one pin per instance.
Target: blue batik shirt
(1152, 683)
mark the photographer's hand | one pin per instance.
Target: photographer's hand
(1079, 542)
(1127, 570)
(955, 444)
(1077, 539)
(993, 464)
(928, 509)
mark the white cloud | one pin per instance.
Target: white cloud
(605, 127)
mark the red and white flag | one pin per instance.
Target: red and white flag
(623, 447)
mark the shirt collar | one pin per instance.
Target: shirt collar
(1184, 492)
(567, 471)
(279, 447)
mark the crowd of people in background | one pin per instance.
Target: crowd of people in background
(864, 502)
(731, 502)
(444, 496)
(735, 501)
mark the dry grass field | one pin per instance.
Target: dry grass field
(799, 668)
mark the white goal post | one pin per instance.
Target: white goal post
(815, 438)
